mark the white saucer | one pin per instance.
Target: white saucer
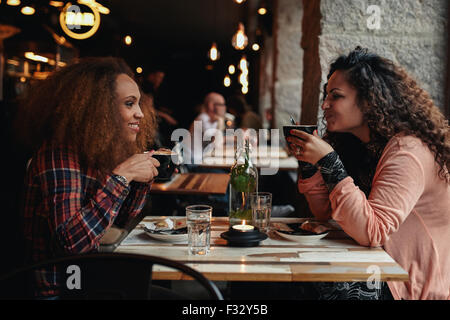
(183, 237)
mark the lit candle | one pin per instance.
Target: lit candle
(243, 227)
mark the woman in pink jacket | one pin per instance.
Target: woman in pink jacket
(381, 171)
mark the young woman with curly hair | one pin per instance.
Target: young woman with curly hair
(381, 172)
(88, 126)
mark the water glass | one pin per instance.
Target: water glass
(198, 221)
(261, 203)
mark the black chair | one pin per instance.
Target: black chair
(110, 276)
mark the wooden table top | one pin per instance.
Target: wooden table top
(334, 258)
(194, 184)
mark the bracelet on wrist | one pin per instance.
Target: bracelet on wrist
(122, 179)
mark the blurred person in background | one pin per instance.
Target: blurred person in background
(245, 118)
(166, 120)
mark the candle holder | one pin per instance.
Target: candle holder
(237, 238)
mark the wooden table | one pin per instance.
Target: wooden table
(194, 184)
(334, 258)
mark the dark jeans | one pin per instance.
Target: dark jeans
(308, 291)
(351, 291)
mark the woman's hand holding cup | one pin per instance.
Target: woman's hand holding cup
(139, 167)
(308, 147)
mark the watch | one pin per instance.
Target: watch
(121, 179)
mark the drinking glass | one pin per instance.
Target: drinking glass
(261, 203)
(198, 221)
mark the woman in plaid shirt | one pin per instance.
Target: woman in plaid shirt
(88, 126)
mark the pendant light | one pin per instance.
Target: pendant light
(13, 2)
(28, 10)
(240, 40)
(262, 10)
(243, 78)
(227, 81)
(213, 53)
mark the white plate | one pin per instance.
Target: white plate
(304, 239)
(168, 237)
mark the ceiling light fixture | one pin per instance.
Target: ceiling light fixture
(240, 40)
(27, 10)
(35, 57)
(102, 9)
(262, 9)
(128, 40)
(239, 1)
(227, 81)
(243, 78)
(71, 20)
(13, 2)
(213, 53)
(56, 4)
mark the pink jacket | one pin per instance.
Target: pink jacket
(407, 212)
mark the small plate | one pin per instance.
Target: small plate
(299, 235)
(179, 235)
(305, 239)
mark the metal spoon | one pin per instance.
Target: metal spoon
(292, 120)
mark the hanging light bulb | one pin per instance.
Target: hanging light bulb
(227, 81)
(239, 40)
(13, 2)
(213, 53)
(243, 78)
(262, 10)
(56, 4)
(231, 69)
(139, 70)
(27, 10)
(255, 47)
(128, 40)
(243, 63)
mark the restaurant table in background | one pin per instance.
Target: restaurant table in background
(334, 258)
(193, 184)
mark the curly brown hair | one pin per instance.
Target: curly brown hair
(392, 102)
(77, 107)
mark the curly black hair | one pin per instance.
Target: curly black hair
(392, 102)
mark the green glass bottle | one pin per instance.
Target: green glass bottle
(243, 181)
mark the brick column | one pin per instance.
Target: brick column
(412, 33)
(288, 62)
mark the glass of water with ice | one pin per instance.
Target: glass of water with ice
(198, 221)
(261, 203)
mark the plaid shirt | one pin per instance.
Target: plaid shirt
(67, 210)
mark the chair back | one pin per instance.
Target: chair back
(112, 276)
